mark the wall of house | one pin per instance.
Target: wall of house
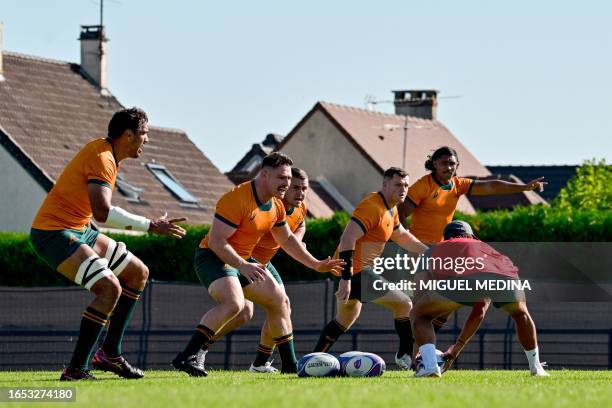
(20, 195)
(320, 149)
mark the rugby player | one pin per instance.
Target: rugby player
(372, 224)
(62, 236)
(267, 247)
(432, 201)
(487, 264)
(224, 263)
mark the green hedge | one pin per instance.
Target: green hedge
(170, 259)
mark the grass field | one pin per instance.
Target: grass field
(239, 388)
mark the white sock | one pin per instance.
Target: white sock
(533, 357)
(428, 354)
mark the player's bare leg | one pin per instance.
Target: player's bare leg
(131, 275)
(429, 306)
(526, 333)
(272, 298)
(87, 269)
(242, 318)
(346, 315)
(400, 305)
(227, 292)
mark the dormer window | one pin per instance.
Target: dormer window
(128, 190)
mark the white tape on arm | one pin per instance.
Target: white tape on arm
(119, 218)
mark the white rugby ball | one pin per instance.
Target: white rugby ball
(318, 365)
(360, 364)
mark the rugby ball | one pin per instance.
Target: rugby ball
(418, 361)
(359, 364)
(318, 365)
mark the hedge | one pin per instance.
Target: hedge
(172, 260)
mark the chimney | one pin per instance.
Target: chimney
(94, 51)
(416, 103)
(1, 66)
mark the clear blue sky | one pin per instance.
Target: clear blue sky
(535, 77)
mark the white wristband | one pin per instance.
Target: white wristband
(119, 218)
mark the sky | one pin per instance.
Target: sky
(521, 82)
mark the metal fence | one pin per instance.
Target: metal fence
(38, 329)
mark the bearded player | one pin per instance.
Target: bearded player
(62, 236)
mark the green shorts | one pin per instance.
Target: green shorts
(363, 286)
(209, 267)
(54, 247)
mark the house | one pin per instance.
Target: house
(319, 202)
(49, 109)
(253, 158)
(347, 149)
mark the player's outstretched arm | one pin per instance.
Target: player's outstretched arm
(495, 187)
(470, 327)
(117, 217)
(290, 244)
(167, 226)
(217, 242)
(406, 240)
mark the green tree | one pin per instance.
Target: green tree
(589, 189)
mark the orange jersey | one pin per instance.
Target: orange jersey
(378, 222)
(267, 247)
(241, 208)
(435, 205)
(67, 205)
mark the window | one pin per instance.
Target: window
(172, 184)
(129, 191)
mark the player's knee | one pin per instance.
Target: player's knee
(143, 272)
(109, 288)
(246, 314)
(275, 301)
(286, 305)
(234, 306)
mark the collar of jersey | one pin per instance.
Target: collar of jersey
(448, 186)
(290, 211)
(385, 202)
(264, 207)
(112, 150)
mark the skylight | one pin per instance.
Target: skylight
(166, 178)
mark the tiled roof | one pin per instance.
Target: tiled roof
(49, 109)
(556, 176)
(380, 138)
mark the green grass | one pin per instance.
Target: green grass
(241, 389)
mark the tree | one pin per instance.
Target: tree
(590, 188)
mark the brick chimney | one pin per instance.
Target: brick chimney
(418, 103)
(94, 51)
(1, 66)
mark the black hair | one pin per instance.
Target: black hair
(392, 171)
(441, 151)
(276, 160)
(126, 119)
(299, 174)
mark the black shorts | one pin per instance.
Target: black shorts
(366, 286)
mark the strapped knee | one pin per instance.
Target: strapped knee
(118, 256)
(92, 270)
